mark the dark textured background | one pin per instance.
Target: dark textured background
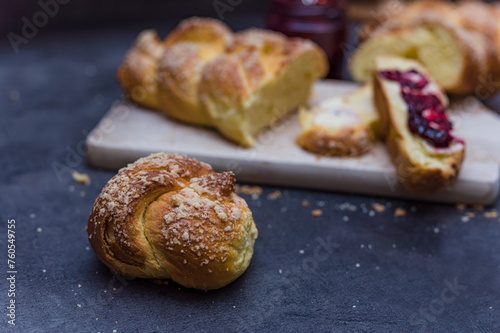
(58, 87)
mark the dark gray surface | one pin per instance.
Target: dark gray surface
(66, 83)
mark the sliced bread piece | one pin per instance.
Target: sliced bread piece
(419, 135)
(340, 126)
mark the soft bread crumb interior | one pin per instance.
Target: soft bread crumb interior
(432, 45)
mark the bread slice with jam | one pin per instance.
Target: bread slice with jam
(419, 135)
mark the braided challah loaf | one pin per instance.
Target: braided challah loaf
(459, 44)
(204, 74)
(172, 217)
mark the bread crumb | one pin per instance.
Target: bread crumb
(491, 215)
(280, 271)
(358, 265)
(306, 203)
(470, 215)
(251, 190)
(399, 212)
(318, 158)
(38, 229)
(80, 178)
(465, 219)
(460, 206)
(275, 195)
(301, 251)
(379, 208)
(317, 212)
(477, 207)
(79, 285)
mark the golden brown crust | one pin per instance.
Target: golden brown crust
(348, 142)
(413, 176)
(200, 30)
(169, 216)
(137, 72)
(193, 44)
(419, 170)
(382, 106)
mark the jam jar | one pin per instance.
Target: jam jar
(322, 21)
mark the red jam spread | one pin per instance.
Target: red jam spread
(427, 117)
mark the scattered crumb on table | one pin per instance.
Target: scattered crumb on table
(306, 203)
(80, 178)
(250, 190)
(460, 206)
(400, 212)
(379, 208)
(275, 195)
(317, 212)
(470, 215)
(491, 215)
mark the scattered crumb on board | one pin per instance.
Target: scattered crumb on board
(306, 203)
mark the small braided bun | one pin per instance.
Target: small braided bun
(173, 217)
